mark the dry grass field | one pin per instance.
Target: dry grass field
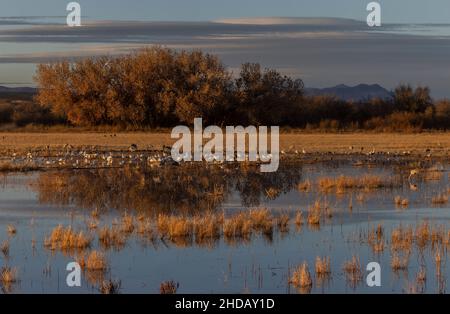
(418, 143)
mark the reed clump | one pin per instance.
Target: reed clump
(110, 287)
(237, 226)
(127, 223)
(399, 262)
(304, 186)
(343, 183)
(402, 239)
(11, 229)
(353, 270)
(282, 222)
(299, 219)
(168, 287)
(95, 261)
(440, 199)
(301, 277)
(376, 239)
(423, 234)
(323, 266)
(207, 227)
(67, 239)
(8, 275)
(111, 237)
(4, 247)
(401, 202)
(262, 220)
(314, 214)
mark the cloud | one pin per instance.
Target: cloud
(323, 52)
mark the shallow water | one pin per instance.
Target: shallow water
(36, 203)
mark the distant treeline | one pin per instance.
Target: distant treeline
(160, 87)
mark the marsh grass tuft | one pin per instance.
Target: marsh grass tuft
(323, 266)
(399, 262)
(343, 183)
(5, 248)
(353, 271)
(301, 277)
(67, 239)
(304, 186)
(95, 261)
(111, 237)
(440, 199)
(110, 287)
(8, 275)
(168, 287)
(11, 229)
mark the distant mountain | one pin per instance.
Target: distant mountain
(17, 90)
(356, 93)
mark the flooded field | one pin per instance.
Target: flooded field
(311, 227)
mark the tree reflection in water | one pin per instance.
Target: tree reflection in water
(185, 188)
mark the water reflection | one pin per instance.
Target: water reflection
(184, 189)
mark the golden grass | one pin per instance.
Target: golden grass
(110, 287)
(376, 239)
(421, 276)
(399, 262)
(144, 226)
(111, 237)
(360, 197)
(299, 218)
(402, 239)
(5, 248)
(422, 234)
(438, 259)
(304, 186)
(10, 167)
(353, 270)
(8, 275)
(282, 222)
(162, 224)
(127, 223)
(301, 277)
(438, 235)
(95, 213)
(92, 224)
(11, 229)
(207, 227)
(272, 193)
(180, 227)
(262, 220)
(323, 266)
(95, 261)
(432, 175)
(168, 287)
(238, 226)
(440, 199)
(401, 202)
(314, 214)
(315, 142)
(67, 239)
(343, 183)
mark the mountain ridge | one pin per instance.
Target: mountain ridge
(356, 93)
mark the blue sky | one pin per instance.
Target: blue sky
(394, 11)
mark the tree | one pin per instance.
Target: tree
(407, 99)
(267, 98)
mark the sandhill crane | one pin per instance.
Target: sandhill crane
(413, 173)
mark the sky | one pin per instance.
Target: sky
(394, 11)
(339, 49)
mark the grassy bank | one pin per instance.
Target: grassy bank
(437, 142)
